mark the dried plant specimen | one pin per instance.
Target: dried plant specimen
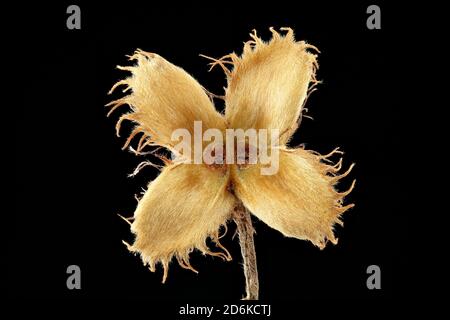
(267, 86)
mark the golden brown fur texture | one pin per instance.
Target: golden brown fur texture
(300, 200)
(183, 206)
(163, 98)
(268, 83)
(267, 88)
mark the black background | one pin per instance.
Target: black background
(71, 179)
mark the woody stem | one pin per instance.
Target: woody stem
(245, 231)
